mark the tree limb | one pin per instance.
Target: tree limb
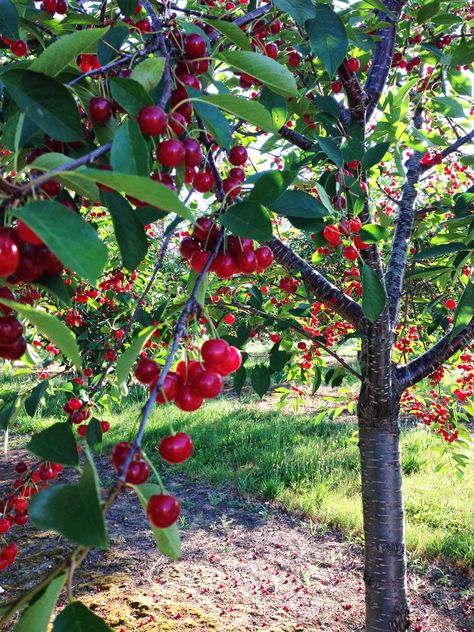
(322, 289)
(452, 148)
(356, 96)
(432, 359)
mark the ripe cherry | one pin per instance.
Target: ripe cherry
(176, 448)
(193, 152)
(51, 187)
(229, 319)
(10, 330)
(105, 426)
(231, 187)
(198, 260)
(138, 472)
(231, 363)
(13, 351)
(350, 253)
(450, 304)
(186, 399)
(120, 453)
(168, 389)
(271, 50)
(247, 261)
(214, 352)
(294, 59)
(188, 370)
(26, 234)
(188, 246)
(331, 234)
(238, 155)
(152, 120)
(203, 181)
(9, 252)
(194, 46)
(62, 7)
(336, 87)
(100, 109)
(171, 152)
(359, 244)
(223, 266)
(5, 292)
(146, 370)
(74, 403)
(264, 256)
(19, 48)
(207, 384)
(237, 173)
(353, 64)
(5, 525)
(50, 6)
(162, 510)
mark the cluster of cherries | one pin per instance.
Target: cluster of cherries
(194, 380)
(78, 412)
(12, 342)
(14, 506)
(236, 256)
(162, 509)
(347, 228)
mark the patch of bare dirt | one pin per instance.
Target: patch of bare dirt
(246, 566)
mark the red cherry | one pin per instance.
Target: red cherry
(19, 48)
(198, 260)
(82, 430)
(336, 86)
(355, 225)
(331, 234)
(203, 181)
(238, 155)
(74, 403)
(353, 64)
(138, 472)
(168, 389)
(247, 261)
(237, 173)
(193, 152)
(214, 352)
(229, 319)
(178, 123)
(264, 256)
(5, 525)
(231, 363)
(10, 552)
(186, 399)
(10, 330)
(162, 510)
(236, 245)
(100, 109)
(350, 253)
(271, 50)
(223, 266)
(294, 60)
(194, 46)
(171, 152)
(5, 292)
(51, 187)
(231, 187)
(208, 384)
(188, 370)
(450, 304)
(119, 453)
(26, 234)
(105, 426)
(21, 467)
(14, 351)
(359, 244)
(9, 252)
(188, 246)
(152, 120)
(50, 6)
(275, 27)
(62, 7)
(275, 338)
(143, 26)
(146, 370)
(176, 448)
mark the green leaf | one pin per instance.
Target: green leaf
(328, 37)
(37, 614)
(331, 150)
(203, 287)
(427, 11)
(45, 101)
(56, 444)
(231, 31)
(68, 235)
(76, 617)
(440, 251)
(129, 153)
(328, 105)
(373, 294)
(74, 511)
(9, 20)
(128, 228)
(260, 379)
(94, 435)
(167, 540)
(51, 327)
(53, 160)
(248, 219)
(299, 10)
(9, 408)
(323, 196)
(374, 155)
(263, 68)
(33, 400)
(239, 379)
(213, 119)
(276, 105)
(129, 94)
(56, 287)
(448, 106)
(270, 185)
(372, 233)
(298, 204)
(148, 73)
(278, 359)
(465, 309)
(241, 107)
(128, 357)
(463, 53)
(65, 49)
(127, 7)
(110, 44)
(141, 188)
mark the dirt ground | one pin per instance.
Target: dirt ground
(246, 566)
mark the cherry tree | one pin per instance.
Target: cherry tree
(305, 167)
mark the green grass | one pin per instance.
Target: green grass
(310, 469)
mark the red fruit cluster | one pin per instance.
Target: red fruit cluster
(138, 471)
(430, 159)
(236, 256)
(347, 228)
(289, 284)
(12, 342)
(18, 47)
(77, 410)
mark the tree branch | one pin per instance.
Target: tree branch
(383, 55)
(322, 289)
(432, 359)
(355, 94)
(452, 148)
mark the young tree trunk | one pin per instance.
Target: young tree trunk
(384, 531)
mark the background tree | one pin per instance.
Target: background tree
(337, 128)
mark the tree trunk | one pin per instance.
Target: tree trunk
(384, 531)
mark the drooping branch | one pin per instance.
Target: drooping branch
(462, 140)
(439, 353)
(382, 56)
(242, 20)
(322, 289)
(401, 239)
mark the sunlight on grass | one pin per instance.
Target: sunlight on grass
(311, 469)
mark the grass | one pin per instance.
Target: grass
(309, 468)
